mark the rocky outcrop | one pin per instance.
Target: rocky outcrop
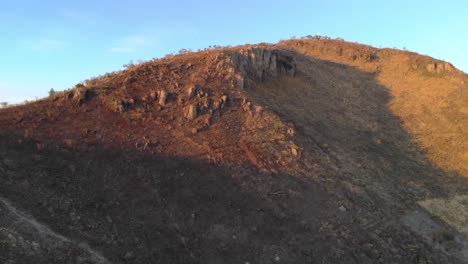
(81, 95)
(190, 112)
(153, 95)
(258, 64)
(438, 67)
(191, 91)
(124, 105)
(162, 95)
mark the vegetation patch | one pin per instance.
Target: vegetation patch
(454, 211)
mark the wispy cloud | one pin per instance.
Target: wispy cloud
(43, 44)
(134, 43)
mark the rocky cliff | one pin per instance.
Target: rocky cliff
(258, 64)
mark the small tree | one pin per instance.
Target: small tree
(52, 92)
(129, 65)
(184, 51)
(3, 104)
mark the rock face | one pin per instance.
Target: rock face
(125, 104)
(191, 91)
(438, 67)
(81, 95)
(258, 64)
(190, 112)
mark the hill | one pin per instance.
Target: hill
(306, 151)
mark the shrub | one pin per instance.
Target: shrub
(184, 51)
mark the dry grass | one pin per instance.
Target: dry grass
(432, 106)
(453, 211)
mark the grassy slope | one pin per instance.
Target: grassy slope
(432, 106)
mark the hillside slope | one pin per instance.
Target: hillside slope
(307, 151)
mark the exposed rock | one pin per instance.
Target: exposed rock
(131, 79)
(79, 94)
(153, 95)
(258, 109)
(240, 81)
(294, 151)
(224, 98)
(82, 94)
(190, 112)
(129, 101)
(162, 95)
(438, 67)
(204, 103)
(120, 107)
(191, 91)
(246, 105)
(125, 104)
(180, 100)
(217, 105)
(201, 94)
(257, 64)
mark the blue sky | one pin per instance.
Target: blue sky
(56, 44)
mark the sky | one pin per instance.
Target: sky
(57, 44)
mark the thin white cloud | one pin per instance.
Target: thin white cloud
(43, 44)
(134, 43)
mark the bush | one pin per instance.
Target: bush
(184, 51)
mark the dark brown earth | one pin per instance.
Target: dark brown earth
(307, 151)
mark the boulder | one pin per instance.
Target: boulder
(258, 109)
(224, 99)
(162, 95)
(153, 95)
(120, 106)
(217, 105)
(180, 100)
(294, 151)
